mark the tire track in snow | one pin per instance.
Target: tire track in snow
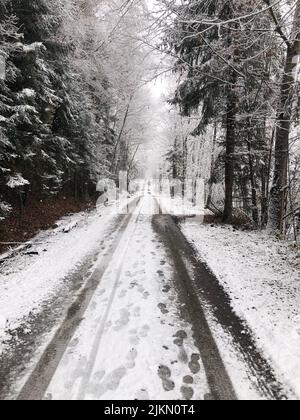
(123, 247)
(216, 373)
(39, 380)
(202, 286)
(136, 356)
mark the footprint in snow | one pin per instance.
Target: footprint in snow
(144, 331)
(146, 295)
(165, 375)
(194, 364)
(163, 308)
(110, 383)
(123, 320)
(180, 336)
(166, 288)
(134, 339)
(188, 380)
(132, 355)
(187, 392)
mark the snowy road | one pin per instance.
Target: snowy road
(139, 329)
(132, 342)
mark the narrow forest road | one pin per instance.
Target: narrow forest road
(137, 330)
(132, 341)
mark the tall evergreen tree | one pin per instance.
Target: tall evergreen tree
(220, 76)
(10, 43)
(37, 93)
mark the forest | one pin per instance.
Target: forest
(238, 70)
(74, 105)
(150, 202)
(70, 89)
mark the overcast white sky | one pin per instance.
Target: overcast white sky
(161, 89)
(151, 4)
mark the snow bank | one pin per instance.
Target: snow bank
(261, 276)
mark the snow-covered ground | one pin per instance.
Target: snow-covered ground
(132, 343)
(178, 207)
(35, 275)
(132, 339)
(262, 277)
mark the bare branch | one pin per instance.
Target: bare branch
(278, 27)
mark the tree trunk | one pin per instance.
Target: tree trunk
(244, 186)
(212, 167)
(113, 160)
(230, 151)
(265, 211)
(255, 213)
(279, 191)
(264, 205)
(175, 165)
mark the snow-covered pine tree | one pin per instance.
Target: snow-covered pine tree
(36, 94)
(224, 75)
(10, 39)
(69, 85)
(86, 115)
